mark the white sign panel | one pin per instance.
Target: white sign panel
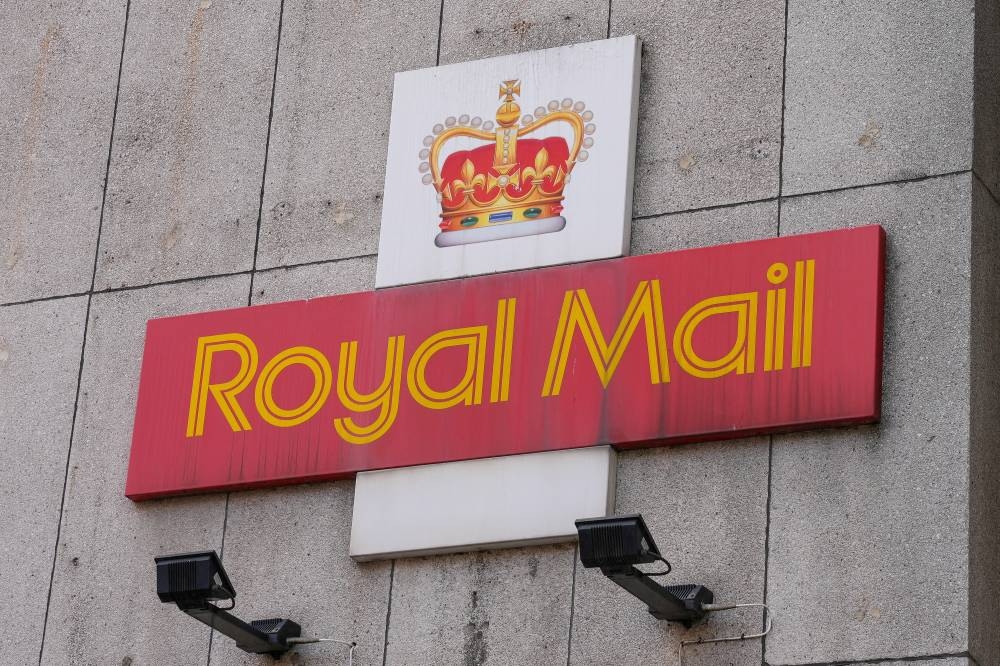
(509, 163)
(477, 504)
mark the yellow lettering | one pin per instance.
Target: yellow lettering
(468, 389)
(313, 360)
(802, 313)
(740, 358)
(224, 392)
(503, 341)
(385, 398)
(774, 325)
(578, 314)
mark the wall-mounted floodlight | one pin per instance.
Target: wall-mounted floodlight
(193, 580)
(616, 544)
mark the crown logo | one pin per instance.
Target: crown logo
(513, 184)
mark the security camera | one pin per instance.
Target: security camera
(616, 544)
(194, 580)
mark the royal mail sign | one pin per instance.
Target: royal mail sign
(700, 344)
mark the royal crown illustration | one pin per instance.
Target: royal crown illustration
(514, 184)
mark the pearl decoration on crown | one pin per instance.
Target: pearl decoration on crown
(566, 105)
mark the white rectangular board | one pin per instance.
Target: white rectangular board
(477, 504)
(509, 163)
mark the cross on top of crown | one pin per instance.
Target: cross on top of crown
(510, 88)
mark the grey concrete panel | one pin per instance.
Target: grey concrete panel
(326, 164)
(876, 91)
(984, 458)
(869, 525)
(709, 101)
(286, 553)
(188, 153)
(103, 608)
(57, 92)
(336, 277)
(491, 607)
(471, 30)
(680, 231)
(706, 507)
(39, 365)
(987, 87)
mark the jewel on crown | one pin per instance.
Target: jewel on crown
(514, 184)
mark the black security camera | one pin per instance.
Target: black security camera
(616, 544)
(193, 580)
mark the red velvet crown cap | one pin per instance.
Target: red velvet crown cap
(482, 161)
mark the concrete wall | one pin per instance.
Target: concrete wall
(163, 158)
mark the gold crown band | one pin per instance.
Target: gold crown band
(480, 219)
(459, 212)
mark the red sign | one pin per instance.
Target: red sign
(711, 343)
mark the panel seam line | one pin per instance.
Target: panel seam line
(770, 439)
(880, 660)
(572, 604)
(267, 150)
(318, 262)
(253, 265)
(986, 187)
(388, 614)
(437, 54)
(83, 340)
